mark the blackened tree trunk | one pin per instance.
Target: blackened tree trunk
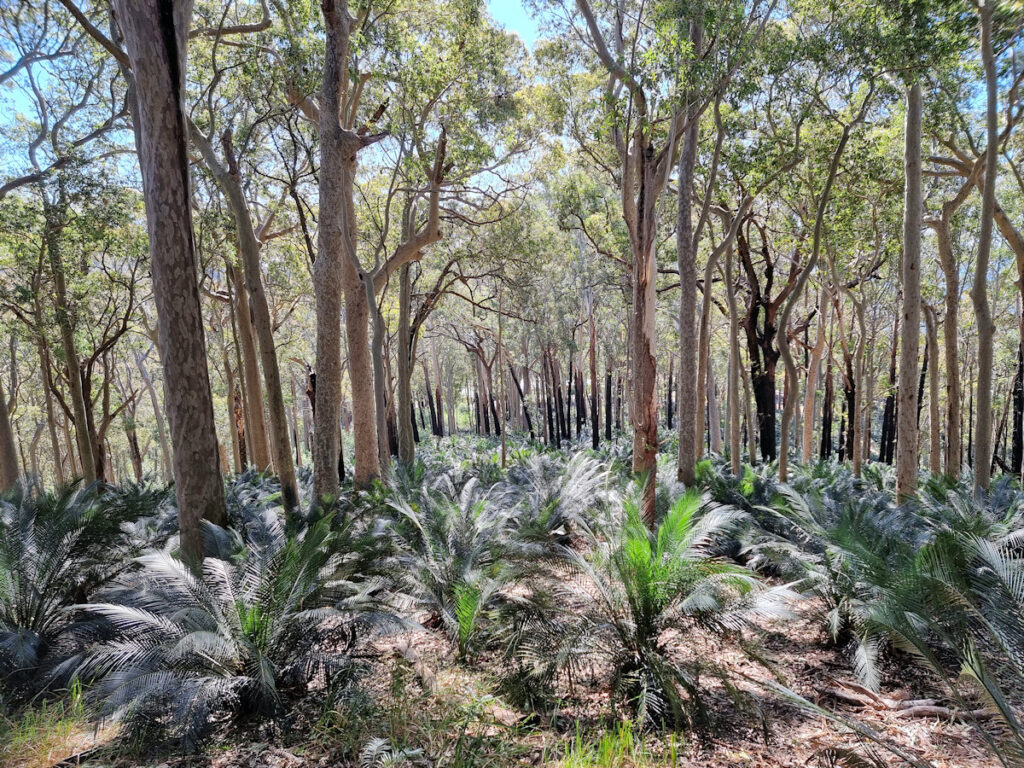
(825, 452)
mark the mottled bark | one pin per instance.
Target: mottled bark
(155, 34)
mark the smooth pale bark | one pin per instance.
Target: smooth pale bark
(255, 421)
(688, 400)
(910, 341)
(155, 35)
(337, 271)
(166, 465)
(9, 471)
(249, 246)
(54, 214)
(789, 405)
(979, 290)
(714, 412)
(934, 419)
(950, 338)
(380, 377)
(229, 382)
(51, 418)
(735, 371)
(813, 370)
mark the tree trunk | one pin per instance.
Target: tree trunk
(906, 426)
(813, 371)
(952, 457)
(256, 425)
(9, 471)
(789, 406)
(688, 397)
(979, 290)
(54, 213)
(827, 407)
(934, 425)
(336, 270)
(735, 369)
(858, 397)
(406, 444)
(158, 416)
(249, 246)
(156, 35)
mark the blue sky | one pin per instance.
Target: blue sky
(513, 16)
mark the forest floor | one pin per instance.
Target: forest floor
(417, 696)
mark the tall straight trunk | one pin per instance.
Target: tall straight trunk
(166, 463)
(43, 351)
(256, 425)
(887, 447)
(337, 271)
(749, 418)
(934, 425)
(9, 470)
(406, 443)
(435, 420)
(688, 393)
(859, 422)
(668, 394)
(229, 383)
(868, 407)
(156, 37)
(294, 422)
(549, 417)
(608, 403)
(735, 369)
(1017, 439)
(704, 358)
(952, 457)
(979, 290)
(813, 370)
(249, 246)
(714, 412)
(595, 427)
(54, 213)
(500, 354)
(906, 425)
(381, 393)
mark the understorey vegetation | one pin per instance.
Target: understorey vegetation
(539, 588)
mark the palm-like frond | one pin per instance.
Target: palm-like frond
(234, 637)
(632, 590)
